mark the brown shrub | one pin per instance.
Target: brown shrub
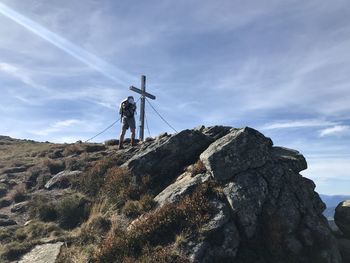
(197, 168)
(15, 250)
(73, 149)
(159, 227)
(132, 209)
(42, 208)
(72, 210)
(116, 184)
(54, 166)
(18, 193)
(92, 181)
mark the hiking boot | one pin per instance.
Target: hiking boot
(121, 146)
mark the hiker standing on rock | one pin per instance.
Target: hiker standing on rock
(127, 110)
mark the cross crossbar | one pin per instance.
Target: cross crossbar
(144, 94)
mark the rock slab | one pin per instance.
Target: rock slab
(46, 253)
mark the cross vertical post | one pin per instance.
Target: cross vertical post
(144, 94)
(142, 108)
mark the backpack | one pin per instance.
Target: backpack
(128, 110)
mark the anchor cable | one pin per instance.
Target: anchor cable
(161, 116)
(110, 126)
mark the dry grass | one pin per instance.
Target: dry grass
(73, 149)
(72, 210)
(40, 207)
(20, 239)
(197, 168)
(98, 224)
(158, 228)
(74, 254)
(92, 181)
(54, 166)
(18, 193)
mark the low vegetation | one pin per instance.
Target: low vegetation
(153, 234)
(18, 193)
(105, 215)
(69, 211)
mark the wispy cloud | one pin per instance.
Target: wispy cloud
(57, 127)
(297, 124)
(335, 130)
(20, 74)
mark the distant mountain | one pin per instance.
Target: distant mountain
(331, 202)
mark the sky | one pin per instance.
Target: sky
(281, 67)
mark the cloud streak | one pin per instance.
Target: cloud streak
(82, 55)
(297, 124)
(58, 126)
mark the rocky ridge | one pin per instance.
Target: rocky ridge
(262, 209)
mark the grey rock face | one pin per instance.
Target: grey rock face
(271, 212)
(215, 132)
(181, 187)
(342, 217)
(218, 240)
(168, 155)
(246, 195)
(292, 158)
(344, 247)
(238, 151)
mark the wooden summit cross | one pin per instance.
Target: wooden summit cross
(144, 94)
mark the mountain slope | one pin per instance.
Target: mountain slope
(216, 194)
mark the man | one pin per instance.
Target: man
(127, 110)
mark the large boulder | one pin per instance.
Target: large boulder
(167, 156)
(62, 179)
(238, 151)
(342, 217)
(271, 213)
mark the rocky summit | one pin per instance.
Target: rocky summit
(209, 194)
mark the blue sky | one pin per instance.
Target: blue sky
(279, 66)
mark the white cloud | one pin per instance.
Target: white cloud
(335, 130)
(8, 68)
(58, 126)
(297, 124)
(328, 168)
